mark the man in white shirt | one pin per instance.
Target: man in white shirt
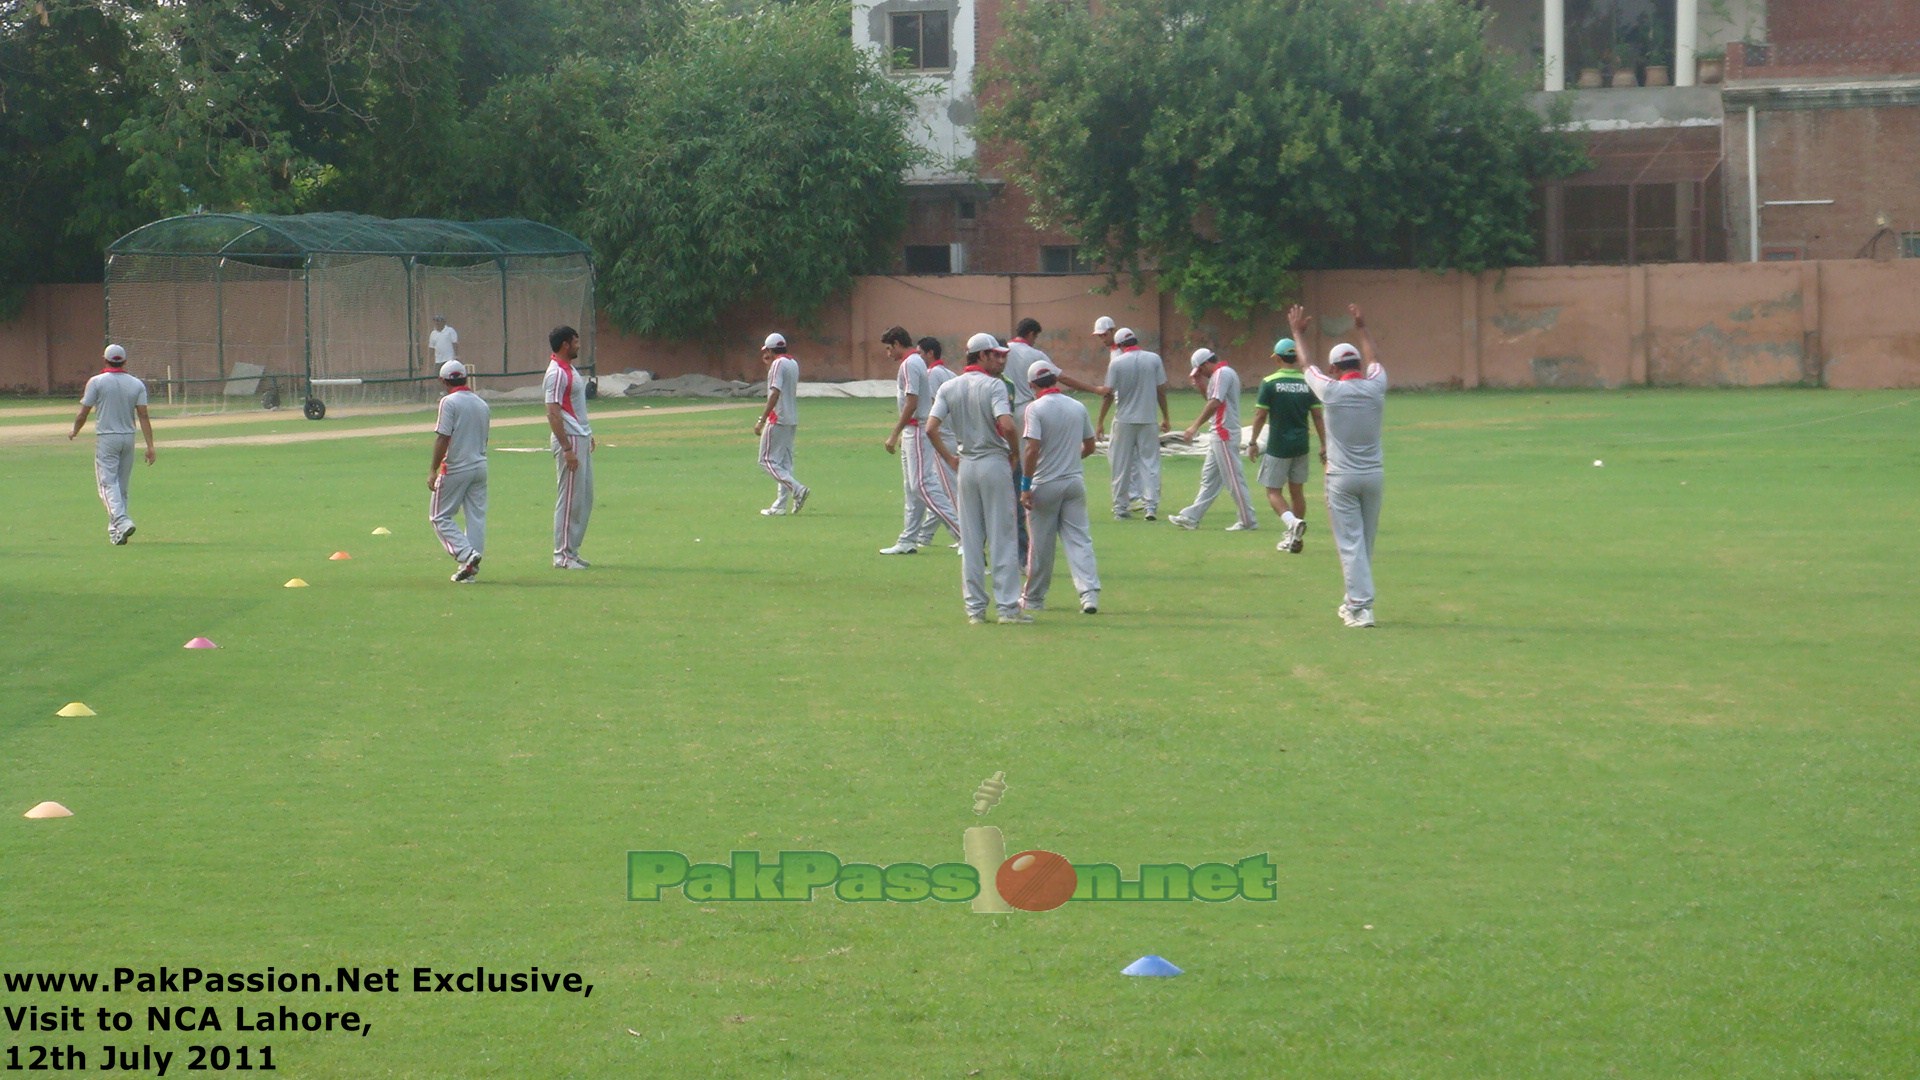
(458, 473)
(1355, 398)
(565, 392)
(444, 343)
(121, 399)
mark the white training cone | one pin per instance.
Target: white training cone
(47, 810)
(75, 708)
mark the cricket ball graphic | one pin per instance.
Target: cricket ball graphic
(1036, 880)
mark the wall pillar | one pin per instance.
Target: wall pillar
(1686, 42)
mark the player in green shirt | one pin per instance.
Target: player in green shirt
(1288, 402)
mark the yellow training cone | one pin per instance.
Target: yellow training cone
(47, 810)
(338, 555)
(75, 708)
(294, 583)
(383, 531)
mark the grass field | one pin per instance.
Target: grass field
(1623, 785)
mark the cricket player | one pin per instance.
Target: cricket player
(1356, 402)
(444, 343)
(1057, 436)
(1287, 400)
(977, 409)
(777, 426)
(920, 481)
(121, 399)
(1222, 467)
(1136, 379)
(566, 396)
(458, 475)
(938, 375)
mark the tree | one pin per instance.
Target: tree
(1229, 143)
(761, 159)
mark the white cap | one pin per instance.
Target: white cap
(114, 355)
(1041, 367)
(1124, 336)
(453, 369)
(984, 343)
(1343, 353)
(1101, 325)
(775, 341)
(1203, 355)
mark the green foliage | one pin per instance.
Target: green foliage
(1231, 142)
(761, 159)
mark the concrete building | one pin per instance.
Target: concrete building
(1719, 130)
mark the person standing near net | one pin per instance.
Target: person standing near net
(977, 409)
(777, 426)
(121, 399)
(1222, 466)
(1356, 403)
(444, 343)
(1057, 436)
(458, 474)
(566, 396)
(1288, 402)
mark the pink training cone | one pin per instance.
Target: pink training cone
(338, 555)
(200, 643)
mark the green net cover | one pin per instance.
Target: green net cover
(302, 235)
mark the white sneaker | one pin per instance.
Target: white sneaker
(1361, 619)
(1089, 605)
(1184, 522)
(800, 500)
(569, 564)
(1241, 526)
(1293, 542)
(976, 620)
(1033, 605)
(774, 511)
(899, 549)
(1137, 503)
(1121, 515)
(1016, 617)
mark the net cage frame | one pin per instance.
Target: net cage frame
(493, 269)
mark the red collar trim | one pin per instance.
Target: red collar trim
(1038, 394)
(1022, 341)
(1346, 375)
(938, 363)
(461, 387)
(975, 367)
(111, 370)
(1130, 348)
(555, 358)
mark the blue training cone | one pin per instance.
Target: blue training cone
(1150, 965)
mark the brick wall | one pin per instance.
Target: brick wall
(1863, 158)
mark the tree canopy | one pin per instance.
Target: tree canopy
(752, 141)
(1227, 144)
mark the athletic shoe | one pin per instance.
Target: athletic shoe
(1033, 605)
(1361, 619)
(1152, 516)
(1345, 612)
(1120, 515)
(468, 571)
(1016, 617)
(955, 545)
(1295, 537)
(1241, 526)
(800, 500)
(115, 538)
(569, 564)
(976, 620)
(1089, 607)
(126, 536)
(1184, 522)
(899, 549)
(583, 563)
(774, 511)
(1137, 503)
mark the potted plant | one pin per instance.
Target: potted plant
(1625, 60)
(1711, 66)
